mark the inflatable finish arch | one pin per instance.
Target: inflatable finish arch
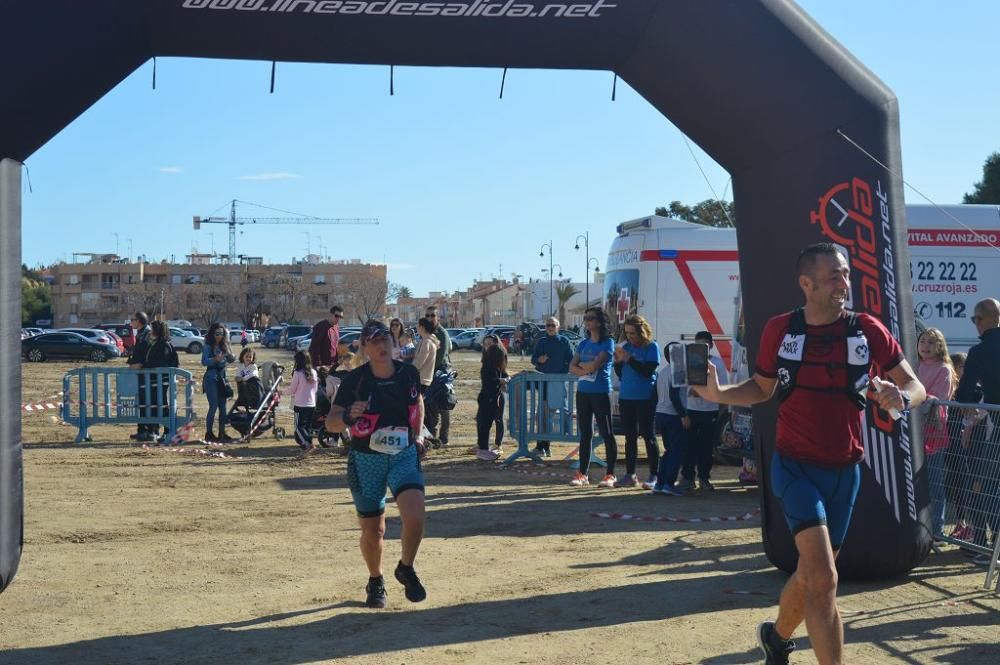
(758, 85)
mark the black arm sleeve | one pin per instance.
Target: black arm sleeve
(675, 399)
(645, 368)
(618, 369)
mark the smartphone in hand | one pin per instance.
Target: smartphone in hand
(696, 356)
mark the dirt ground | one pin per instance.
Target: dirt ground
(135, 556)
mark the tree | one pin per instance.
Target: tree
(36, 301)
(143, 296)
(710, 212)
(987, 190)
(565, 293)
(283, 296)
(368, 295)
(403, 292)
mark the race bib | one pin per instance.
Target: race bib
(390, 440)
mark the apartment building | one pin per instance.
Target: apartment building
(108, 289)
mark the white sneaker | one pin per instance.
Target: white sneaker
(607, 481)
(579, 480)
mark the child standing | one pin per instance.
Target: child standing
(303, 390)
(494, 382)
(936, 373)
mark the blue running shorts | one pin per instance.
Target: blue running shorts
(368, 474)
(813, 496)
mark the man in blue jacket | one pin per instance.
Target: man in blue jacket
(552, 355)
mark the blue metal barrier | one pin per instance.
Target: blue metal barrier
(118, 396)
(541, 407)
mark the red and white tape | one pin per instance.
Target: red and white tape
(189, 451)
(525, 472)
(682, 520)
(40, 406)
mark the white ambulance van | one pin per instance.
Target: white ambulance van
(684, 277)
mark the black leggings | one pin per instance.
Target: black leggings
(637, 419)
(588, 407)
(489, 413)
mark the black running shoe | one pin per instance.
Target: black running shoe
(406, 576)
(375, 589)
(775, 649)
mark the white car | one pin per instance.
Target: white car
(185, 340)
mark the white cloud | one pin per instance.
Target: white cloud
(171, 169)
(271, 176)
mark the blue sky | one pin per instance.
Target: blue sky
(465, 185)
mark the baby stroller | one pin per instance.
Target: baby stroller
(258, 398)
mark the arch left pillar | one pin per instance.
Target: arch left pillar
(11, 468)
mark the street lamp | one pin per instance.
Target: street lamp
(551, 265)
(586, 275)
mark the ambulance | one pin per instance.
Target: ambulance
(684, 277)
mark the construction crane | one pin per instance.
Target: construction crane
(233, 221)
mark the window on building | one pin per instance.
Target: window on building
(319, 279)
(338, 280)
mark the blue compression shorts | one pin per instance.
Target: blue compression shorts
(814, 496)
(368, 474)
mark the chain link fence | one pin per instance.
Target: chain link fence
(962, 442)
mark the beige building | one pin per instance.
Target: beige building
(108, 289)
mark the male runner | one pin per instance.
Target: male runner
(818, 365)
(381, 404)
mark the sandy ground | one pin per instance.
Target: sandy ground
(134, 556)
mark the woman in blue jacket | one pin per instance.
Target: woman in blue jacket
(635, 364)
(215, 356)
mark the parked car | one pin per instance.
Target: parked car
(31, 332)
(68, 344)
(185, 340)
(123, 330)
(291, 332)
(95, 334)
(490, 330)
(194, 330)
(455, 332)
(464, 340)
(302, 343)
(117, 340)
(272, 336)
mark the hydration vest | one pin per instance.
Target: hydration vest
(857, 361)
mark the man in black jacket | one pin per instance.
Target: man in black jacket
(981, 381)
(137, 360)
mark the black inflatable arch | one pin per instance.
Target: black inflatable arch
(758, 85)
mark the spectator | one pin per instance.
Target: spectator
(426, 353)
(248, 366)
(244, 339)
(216, 356)
(957, 473)
(552, 355)
(137, 360)
(397, 334)
(936, 373)
(490, 401)
(671, 407)
(701, 420)
(326, 338)
(592, 364)
(161, 354)
(303, 392)
(635, 364)
(981, 382)
(434, 410)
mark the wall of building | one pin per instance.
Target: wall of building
(257, 295)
